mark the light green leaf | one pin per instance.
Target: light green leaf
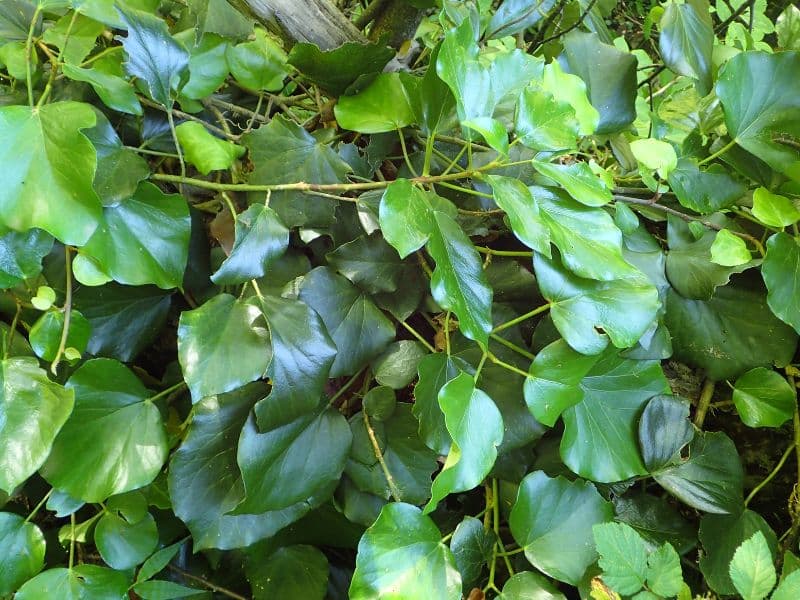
(154, 56)
(710, 479)
(514, 197)
(144, 239)
(552, 520)
(124, 545)
(292, 462)
(220, 348)
(21, 255)
(578, 180)
(476, 428)
(623, 557)
(164, 590)
(401, 556)
(655, 155)
(208, 66)
(381, 106)
(203, 150)
(787, 28)
(760, 112)
(686, 41)
(773, 209)
(664, 430)
(74, 36)
(780, 273)
(571, 89)
(290, 572)
(115, 92)
(82, 582)
(258, 65)
(789, 587)
(763, 398)
(23, 552)
(45, 333)
(158, 561)
(729, 250)
(752, 571)
(528, 585)
(114, 441)
(664, 575)
(220, 17)
(405, 217)
(545, 123)
(33, 410)
(493, 132)
(41, 185)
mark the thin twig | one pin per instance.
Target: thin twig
(379, 455)
(704, 402)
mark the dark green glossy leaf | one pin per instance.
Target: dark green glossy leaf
(552, 520)
(41, 185)
(372, 264)
(514, 197)
(664, 430)
(302, 355)
(261, 239)
(706, 191)
(578, 180)
(33, 410)
(45, 333)
(15, 20)
(397, 366)
(517, 15)
(471, 545)
(710, 479)
(402, 556)
(335, 70)
(292, 462)
(284, 152)
(115, 92)
(656, 520)
(114, 440)
(382, 106)
(144, 239)
(21, 255)
(780, 272)
(23, 551)
(220, 348)
(124, 545)
(759, 113)
(290, 572)
(686, 40)
(610, 77)
(623, 557)
(732, 333)
(431, 99)
(82, 582)
(359, 330)
(763, 398)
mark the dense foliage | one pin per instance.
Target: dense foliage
(514, 316)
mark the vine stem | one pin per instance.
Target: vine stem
(172, 129)
(379, 455)
(62, 345)
(204, 582)
(28, 48)
(168, 391)
(704, 402)
(718, 153)
(772, 474)
(39, 505)
(521, 318)
(796, 425)
(418, 335)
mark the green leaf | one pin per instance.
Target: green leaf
(23, 552)
(720, 536)
(358, 328)
(514, 16)
(623, 557)
(382, 106)
(571, 89)
(664, 575)
(528, 585)
(81, 582)
(655, 155)
(302, 355)
(290, 572)
(43, 186)
(515, 198)
(787, 28)
(220, 17)
(788, 588)
(45, 333)
(158, 561)
(458, 282)
(204, 479)
(472, 546)
(730, 334)
(544, 122)
(338, 69)
(492, 130)
(578, 180)
(404, 215)
(401, 556)
(113, 442)
(124, 545)
(664, 430)
(220, 348)
(773, 209)
(115, 92)
(33, 410)
(163, 590)
(208, 66)
(729, 250)
(710, 479)
(292, 462)
(779, 270)
(686, 40)
(752, 571)
(706, 191)
(154, 56)
(16, 17)
(203, 150)
(435, 370)
(261, 239)
(372, 264)
(657, 520)
(397, 366)
(763, 398)
(623, 309)
(610, 77)
(258, 65)
(284, 152)
(552, 520)
(21, 255)
(74, 36)
(153, 227)
(759, 113)
(476, 428)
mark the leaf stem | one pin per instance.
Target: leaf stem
(171, 122)
(418, 335)
(505, 365)
(405, 153)
(212, 586)
(167, 392)
(493, 252)
(348, 384)
(772, 474)
(71, 540)
(7, 341)
(28, 49)
(704, 402)
(512, 346)
(718, 153)
(536, 311)
(39, 505)
(62, 345)
(379, 455)
(426, 166)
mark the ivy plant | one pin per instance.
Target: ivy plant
(510, 312)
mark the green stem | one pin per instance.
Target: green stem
(512, 346)
(10, 339)
(507, 366)
(480, 367)
(419, 337)
(168, 391)
(493, 252)
(426, 167)
(348, 384)
(379, 455)
(405, 153)
(718, 153)
(28, 49)
(71, 540)
(62, 345)
(704, 402)
(521, 318)
(39, 505)
(171, 122)
(772, 474)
